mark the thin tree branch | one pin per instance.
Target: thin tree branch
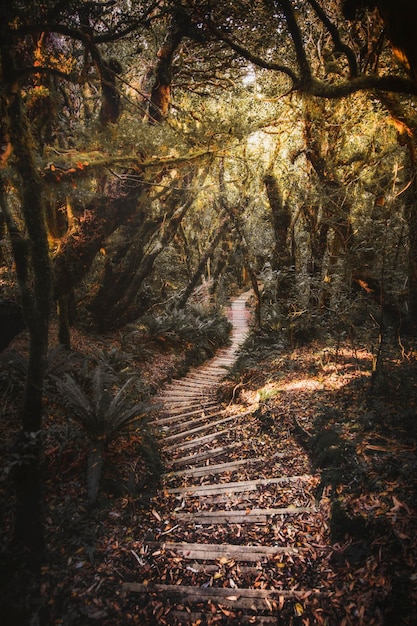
(335, 35)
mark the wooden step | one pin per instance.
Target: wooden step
(182, 416)
(182, 406)
(250, 516)
(203, 375)
(241, 598)
(177, 426)
(206, 454)
(220, 468)
(173, 395)
(177, 403)
(198, 617)
(199, 429)
(187, 433)
(195, 443)
(236, 487)
(186, 382)
(215, 551)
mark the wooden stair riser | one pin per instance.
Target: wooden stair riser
(176, 427)
(236, 487)
(214, 551)
(207, 454)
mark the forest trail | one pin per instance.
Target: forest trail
(238, 536)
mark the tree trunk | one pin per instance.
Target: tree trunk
(35, 281)
(161, 89)
(94, 468)
(281, 220)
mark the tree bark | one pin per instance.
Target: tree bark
(34, 275)
(161, 89)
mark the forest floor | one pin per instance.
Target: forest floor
(357, 433)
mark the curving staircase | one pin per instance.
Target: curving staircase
(235, 523)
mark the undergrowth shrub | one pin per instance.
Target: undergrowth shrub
(197, 330)
(104, 410)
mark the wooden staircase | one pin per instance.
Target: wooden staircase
(238, 521)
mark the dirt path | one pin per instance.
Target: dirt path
(237, 517)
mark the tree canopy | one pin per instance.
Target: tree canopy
(148, 146)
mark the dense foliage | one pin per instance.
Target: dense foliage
(148, 148)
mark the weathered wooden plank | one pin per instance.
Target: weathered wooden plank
(186, 382)
(187, 433)
(252, 516)
(213, 551)
(173, 403)
(243, 598)
(206, 454)
(177, 408)
(176, 427)
(198, 404)
(203, 375)
(195, 617)
(215, 469)
(194, 443)
(200, 429)
(209, 412)
(175, 395)
(243, 499)
(238, 486)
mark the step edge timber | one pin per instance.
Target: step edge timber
(185, 433)
(225, 593)
(197, 405)
(205, 427)
(196, 420)
(240, 553)
(178, 423)
(194, 616)
(206, 454)
(244, 485)
(179, 416)
(240, 516)
(177, 404)
(194, 443)
(218, 468)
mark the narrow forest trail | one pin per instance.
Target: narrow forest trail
(238, 535)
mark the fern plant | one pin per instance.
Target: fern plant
(201, 331)
(103, 413)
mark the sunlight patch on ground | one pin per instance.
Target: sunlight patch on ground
(305, 384)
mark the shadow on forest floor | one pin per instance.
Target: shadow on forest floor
(361, 434)
(363, 444)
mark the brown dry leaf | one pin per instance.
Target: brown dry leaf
(156, 514)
